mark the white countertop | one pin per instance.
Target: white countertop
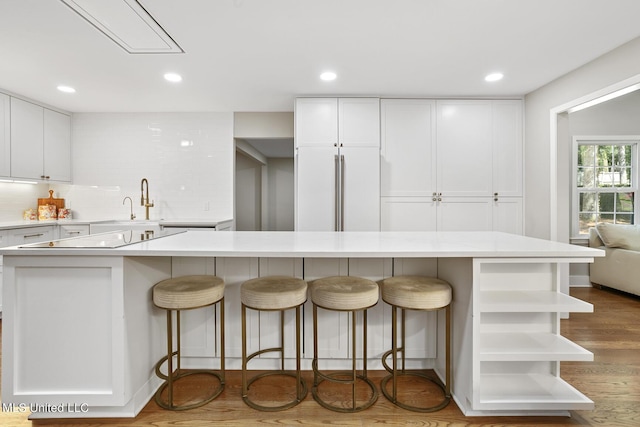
(186, 222)
(334, 245)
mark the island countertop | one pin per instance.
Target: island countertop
(333, 244)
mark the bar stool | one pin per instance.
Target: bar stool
(273, 293)
(350, 294)
(415, 293)
(186, 293)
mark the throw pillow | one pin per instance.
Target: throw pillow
(619, 236)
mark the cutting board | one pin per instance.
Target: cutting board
(59, 203)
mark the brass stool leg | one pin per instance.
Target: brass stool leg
(393, 373)
(244, 350)
(172, 376)
(319, 377)
(222, 345)
(301, 387)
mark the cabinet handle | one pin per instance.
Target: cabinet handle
(27, 236)
(495, 197)
(73, 232)
(341, 191)
(45, 176)
(336, 193)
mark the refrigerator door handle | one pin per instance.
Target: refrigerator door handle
(342, 192)
(336, 196)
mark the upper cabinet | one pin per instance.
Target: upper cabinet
(57, 146)
(5, 135)
(350, 122)
(40, 142)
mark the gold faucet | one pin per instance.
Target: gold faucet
(133, 216)
(144, 197)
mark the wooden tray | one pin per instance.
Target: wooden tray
(59, 203)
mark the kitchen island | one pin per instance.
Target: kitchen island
(80, 331)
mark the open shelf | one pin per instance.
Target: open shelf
(531, 301)
(529, 391)
(530, 347)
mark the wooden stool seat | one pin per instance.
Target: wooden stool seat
(416, 292)
(273, 292)
(187, 292)
(344, 293)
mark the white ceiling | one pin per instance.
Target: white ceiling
(257, 55)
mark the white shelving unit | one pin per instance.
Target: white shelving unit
(517, 344)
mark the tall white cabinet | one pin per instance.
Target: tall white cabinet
(451, 165)
(337, 164)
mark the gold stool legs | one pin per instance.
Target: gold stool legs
(173, 375)
(301, 386)
(394, 372)
(319, 377)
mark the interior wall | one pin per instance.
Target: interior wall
(616, 117)
(281, 195)
(611, 68)
(186, 157)
(248, 193)
(16, 198)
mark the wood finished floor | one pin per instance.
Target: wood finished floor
(612, 381)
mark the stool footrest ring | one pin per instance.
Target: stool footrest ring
(176, 376)
(445, 402)
(303, 392)
(365, 405)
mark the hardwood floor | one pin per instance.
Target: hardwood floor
(612, 381)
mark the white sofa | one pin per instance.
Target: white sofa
(620, 268)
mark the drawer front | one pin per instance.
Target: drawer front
(23, 236)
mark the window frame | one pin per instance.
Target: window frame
(634, 142)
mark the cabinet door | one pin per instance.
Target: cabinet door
(23, 236)
(408, 150)
(464, 148)
(27, 155)
(507, 148)
(507, 215)
(465, 214)
(407, 214)
(316, 169)
(361, 188)
(359, 122)
(57, 146)
(5, 135)
(316, 122)
(67, 231)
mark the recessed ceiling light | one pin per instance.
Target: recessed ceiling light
(66, 89)
(328, 76)
(494, 77)
(173, 77)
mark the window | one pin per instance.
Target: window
(605, 181)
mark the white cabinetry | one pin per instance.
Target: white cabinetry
(23, 236)
(337, 164)
(57, 146)
(5, 135)
(67, 231)
(517, 343)
(451, 165)
(40, 142)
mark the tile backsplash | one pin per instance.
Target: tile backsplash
(186, 157)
